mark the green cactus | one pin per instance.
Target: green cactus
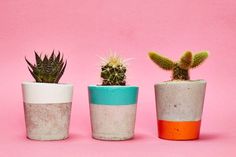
(113, 71)
(199, 58)
(47, 70)
(161, 61)
(180, 69)
(186, 60)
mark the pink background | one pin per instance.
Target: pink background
(86, 29)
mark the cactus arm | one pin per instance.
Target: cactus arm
(161, 61)
(199, 58)
(186, 60)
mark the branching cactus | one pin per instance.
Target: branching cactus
(180, 69)
(47, 70)
(113, 71)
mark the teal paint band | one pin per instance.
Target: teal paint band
(113, 95)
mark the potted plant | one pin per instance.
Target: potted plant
(179, 102)
(47, 103)
(113, 103)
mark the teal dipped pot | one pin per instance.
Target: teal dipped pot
(113, 111)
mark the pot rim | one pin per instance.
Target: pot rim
(46, 84)
(113, 86)
(200, 81)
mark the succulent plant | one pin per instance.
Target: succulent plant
(47, 69)
(181, 68)
(113, 71)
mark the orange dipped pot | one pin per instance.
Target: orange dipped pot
(179, 109)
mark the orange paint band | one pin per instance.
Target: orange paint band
(185, 130)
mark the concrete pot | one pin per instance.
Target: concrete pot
(113, 111)
(47, 108)
(179, 109)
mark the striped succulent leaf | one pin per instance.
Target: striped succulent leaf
(47, 70)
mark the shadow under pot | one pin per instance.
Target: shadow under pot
(113, 111)
(179, 109)
(47, 108)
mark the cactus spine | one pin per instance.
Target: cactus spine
(113, 71)
(180, 69)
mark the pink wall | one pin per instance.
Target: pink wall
(86, 29)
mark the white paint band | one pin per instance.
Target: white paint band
(44, 93)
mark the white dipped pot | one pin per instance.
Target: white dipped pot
(113, 111)
(47, 108)
(179, 109)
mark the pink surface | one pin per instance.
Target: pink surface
(86, 29)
